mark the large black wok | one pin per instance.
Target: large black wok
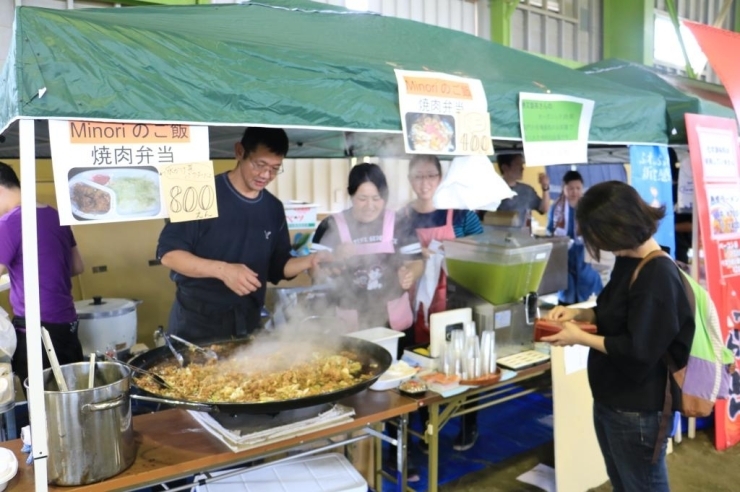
(375, 360)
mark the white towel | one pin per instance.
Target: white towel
(471, 184)
(428, 282)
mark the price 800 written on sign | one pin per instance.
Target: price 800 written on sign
(189, 191)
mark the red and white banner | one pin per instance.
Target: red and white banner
(713, 145)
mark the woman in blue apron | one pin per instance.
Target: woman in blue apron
(583, 280)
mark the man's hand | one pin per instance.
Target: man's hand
(239, 278)
(544, 181)
(405, 277)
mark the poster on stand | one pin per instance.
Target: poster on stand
(713, 144)
(651, 177)
(443, 114)
(554, 128)
(111, 172)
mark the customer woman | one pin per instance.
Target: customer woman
(429, 224)
(371, 289)
(638, 324)
(583, 280)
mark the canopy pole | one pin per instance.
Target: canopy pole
(36, 407)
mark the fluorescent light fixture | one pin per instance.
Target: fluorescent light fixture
(667, 50)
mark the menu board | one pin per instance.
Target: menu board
(713, 145)
(554, 128)
(443, 114)
(110, 172)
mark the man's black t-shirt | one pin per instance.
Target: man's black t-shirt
(250, 232)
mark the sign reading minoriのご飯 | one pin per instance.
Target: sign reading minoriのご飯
(119, 172)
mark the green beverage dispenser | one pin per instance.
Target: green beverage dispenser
(498, 266)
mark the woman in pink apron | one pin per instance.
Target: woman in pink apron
(425, 175)
(372, 287)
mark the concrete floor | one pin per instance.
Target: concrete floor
(694, 466)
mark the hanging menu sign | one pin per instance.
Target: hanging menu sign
(443, 114)
(554, 128)
(110, 172)
(189, 190)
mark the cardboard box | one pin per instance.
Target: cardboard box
(301, 215)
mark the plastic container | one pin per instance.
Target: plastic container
(385, 337)
(394, 376)
(324, 473)
(8, 467)
(500, 267)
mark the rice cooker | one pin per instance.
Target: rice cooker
(106, 324)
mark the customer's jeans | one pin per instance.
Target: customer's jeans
(627, 441)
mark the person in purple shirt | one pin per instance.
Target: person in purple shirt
(59, 260)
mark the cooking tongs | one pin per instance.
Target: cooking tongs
(209, 354)
(155, 377)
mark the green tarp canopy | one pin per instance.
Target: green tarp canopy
(678, 103)
(292, 63)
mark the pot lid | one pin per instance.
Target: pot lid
(104, 307)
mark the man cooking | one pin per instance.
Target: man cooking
(526, 199)
(221, 265)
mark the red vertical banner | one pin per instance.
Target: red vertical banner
(713, 145)
(721, 48)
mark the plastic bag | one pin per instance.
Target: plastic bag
(471, 184)
(8, 339)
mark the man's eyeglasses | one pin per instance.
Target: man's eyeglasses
(261, 168)
(424, 177)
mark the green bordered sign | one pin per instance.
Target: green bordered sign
(555, 128)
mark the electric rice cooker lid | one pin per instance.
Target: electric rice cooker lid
(100, 307)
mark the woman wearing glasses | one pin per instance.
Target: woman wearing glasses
(374, 280)
(429, 224)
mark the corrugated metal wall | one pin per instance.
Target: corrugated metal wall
(704, 11)
(569, 29)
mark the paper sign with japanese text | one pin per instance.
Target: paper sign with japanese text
(110, 172)
(443, 114)
(554, 128)
(189, 191)
(713, 146)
